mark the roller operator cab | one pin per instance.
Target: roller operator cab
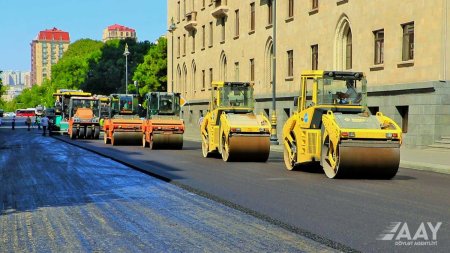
(163, 128)
(123, 125)
(231, 127)
(84, 118)
(334, 127)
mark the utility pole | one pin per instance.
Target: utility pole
(172, 29)
(126, 53)
(273, 120)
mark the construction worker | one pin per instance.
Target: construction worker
(28, 122)
(44, 123)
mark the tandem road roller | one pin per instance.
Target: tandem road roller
(163, 127)
(83, 118)
(231, 126)
(123, 125)
(334, 127)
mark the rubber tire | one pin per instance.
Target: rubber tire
(96, 133)
(82, 133)
(89, 133)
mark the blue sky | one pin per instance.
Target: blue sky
(21, 21)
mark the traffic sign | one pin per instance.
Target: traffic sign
(182, 101)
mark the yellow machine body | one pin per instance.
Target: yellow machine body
(336, 129)
(231, 127)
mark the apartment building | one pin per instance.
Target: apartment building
(120, 32)
(46, 49)
(402, 47)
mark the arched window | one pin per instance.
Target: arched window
(223, 67)
(268, 63)
(343, 56)
(193, 77)
(184, 88)
(179, 80)
(348, 50)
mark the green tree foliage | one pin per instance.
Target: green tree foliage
(72, 69)
(108, 74)
(152, 73)
(99, 68)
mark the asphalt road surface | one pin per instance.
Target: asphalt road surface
(56, 197)
(344, 214)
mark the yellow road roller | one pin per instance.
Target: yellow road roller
(231, 127)
(333, 126)
(123, 125)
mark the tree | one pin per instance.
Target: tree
(152, 73)
(71, 72)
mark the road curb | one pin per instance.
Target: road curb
(437, 168)
(443, 169)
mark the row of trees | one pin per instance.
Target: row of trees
(99, 68)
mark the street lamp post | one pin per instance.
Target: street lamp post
(172, 29)
(273, 135)
(126, 53)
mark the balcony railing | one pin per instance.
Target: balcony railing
(221, 9)
(191, 19)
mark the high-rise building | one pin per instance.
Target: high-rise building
(120, 32)
(402, 49)
(46, 49)
(13, 77)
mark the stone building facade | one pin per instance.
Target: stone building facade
(402, 47)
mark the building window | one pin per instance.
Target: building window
(379, 46)
(178, 11)
(252, 70)
(210, 76)
(203, 79)
(348, 51)
(408, 41)
(314, 4)
(194, 78)
(252, 16)
(291, 8)
(222, 21)
(203, 4)
(270, 12)
(193, 42)
(290, 63)
(236, 29)
(184, 44)
(211, 35)
(314, 57)
(179, 47)
(203, 37)
(343, 45)
(236, 71)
